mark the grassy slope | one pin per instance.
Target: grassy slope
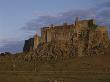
(78, 69)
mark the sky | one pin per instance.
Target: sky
(21, 19)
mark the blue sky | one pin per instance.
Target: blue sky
(20, 19)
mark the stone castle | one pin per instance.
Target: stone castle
(85, 36)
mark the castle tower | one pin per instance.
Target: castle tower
(51, 25)
(76, 20)
(65, 24)
(36, 41)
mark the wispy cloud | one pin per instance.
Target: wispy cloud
(101, 13)
(68, 17)
(106, 4)
(105, 13)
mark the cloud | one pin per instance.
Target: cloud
(46, 20)
(105, 13)
(103, 16)
(106, 4)
(11, 46)
(101, 13)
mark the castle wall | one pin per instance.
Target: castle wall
(44, 35)
(29, 44)
(85, 23)
(49, 34)
(56, 33)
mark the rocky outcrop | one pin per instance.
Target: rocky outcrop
(55, 50)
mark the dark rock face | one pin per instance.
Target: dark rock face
(29, 44)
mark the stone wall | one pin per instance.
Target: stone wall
(56, 33)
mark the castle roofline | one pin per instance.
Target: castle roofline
(87, 20)
(58, 26)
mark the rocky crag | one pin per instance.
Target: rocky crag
(62, 49)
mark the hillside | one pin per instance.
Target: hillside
(78, 69)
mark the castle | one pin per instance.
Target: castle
(85, 35)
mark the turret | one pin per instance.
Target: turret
(36, 41)
(76, 20)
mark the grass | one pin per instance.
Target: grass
(76, 69)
